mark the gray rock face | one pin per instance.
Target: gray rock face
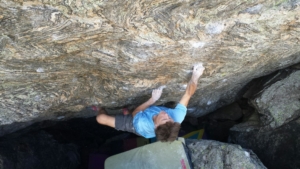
(272, 132)
(217, 155)
(277, 149)
(278, 101)
(59, 56)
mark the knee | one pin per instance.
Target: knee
(101, 119)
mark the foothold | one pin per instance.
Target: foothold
(37, 98)
(255, 9)
(40, 70)
(197, 44)
(247, 154)
(60, 117)
(93, 108)
(191, 109)
(162, 87)
(214, 28)
(200, 65)
(209, 102)
(125, 111)
(53, 16)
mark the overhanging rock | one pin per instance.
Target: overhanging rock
(62, 56)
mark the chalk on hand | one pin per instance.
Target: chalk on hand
(200, 64)
(162, 87)
(197, 71)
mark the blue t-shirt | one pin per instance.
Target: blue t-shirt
(143, 122)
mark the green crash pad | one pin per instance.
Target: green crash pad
(156, 155)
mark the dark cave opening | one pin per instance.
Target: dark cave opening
(97, 141)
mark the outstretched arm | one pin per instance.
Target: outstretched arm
(192, 85)
(156, 93)
(191, 88)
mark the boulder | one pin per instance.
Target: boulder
(57, 57)
(272, 132)
(210, 154)
(278, 148)
(279, 102)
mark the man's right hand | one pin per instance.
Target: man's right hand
(197, 72)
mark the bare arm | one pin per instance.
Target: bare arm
(190, 90)
(143, 106)
(192, 85)
(156, 93)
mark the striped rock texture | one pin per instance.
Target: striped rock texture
(59, 56)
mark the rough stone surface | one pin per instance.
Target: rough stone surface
(272, 131)
(217, 155)
(59, 56)
(279, 103)
(278, 148)
(37, 150)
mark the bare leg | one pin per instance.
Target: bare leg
(105, 119)
(192, 85)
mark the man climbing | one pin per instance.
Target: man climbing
(150, 121)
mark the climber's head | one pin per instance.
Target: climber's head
(165, 127)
